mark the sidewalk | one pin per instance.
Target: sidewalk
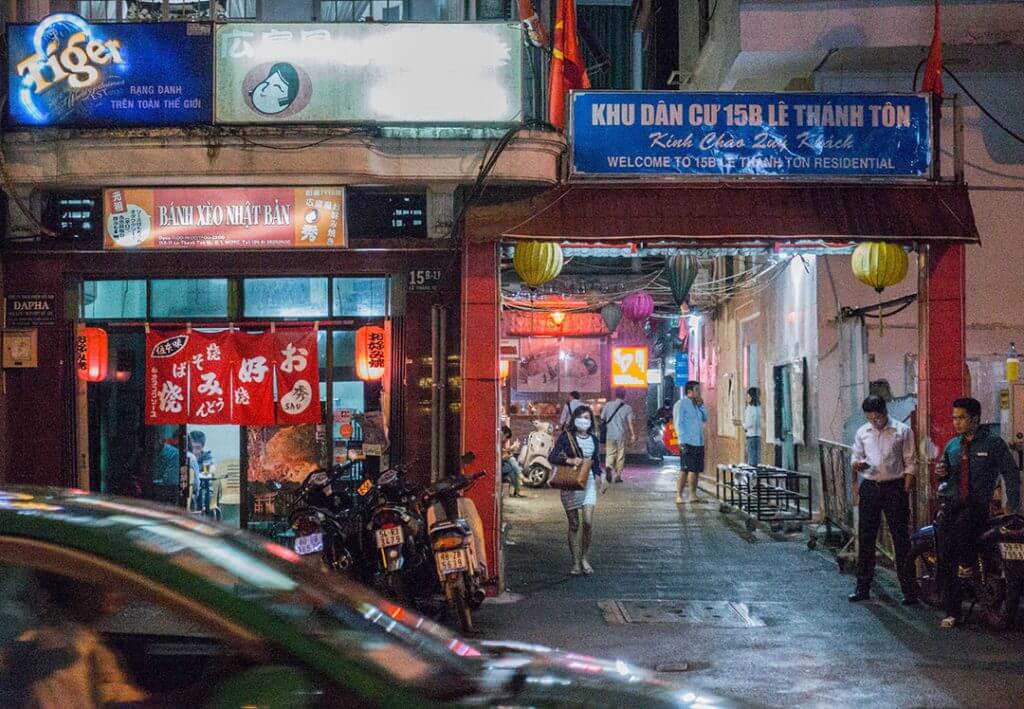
(773, 624)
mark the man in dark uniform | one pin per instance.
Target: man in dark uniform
(972, 464)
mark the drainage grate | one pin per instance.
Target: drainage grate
(720, 614)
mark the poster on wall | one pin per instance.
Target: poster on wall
(581, 364)
(224, 218)
(285, 453)
(551, 364)
(539, 365)
(229, 377)
(64, 71)
(368, 73)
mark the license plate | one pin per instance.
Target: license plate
(1012, 551)
(365, 487)
(310, 544)
(449, 561)
(389, 537)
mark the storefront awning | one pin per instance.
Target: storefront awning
(735, 213)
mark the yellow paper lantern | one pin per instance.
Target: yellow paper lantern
(537, 262)
(879, 264)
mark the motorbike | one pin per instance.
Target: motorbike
(398, 532)
(998, 571)
(456, 538)
(533, 459)
(656, 425)
(324, 520)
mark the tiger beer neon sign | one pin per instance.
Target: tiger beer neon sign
(75, 63)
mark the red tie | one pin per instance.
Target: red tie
(965, 472)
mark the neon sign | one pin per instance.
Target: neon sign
(65, 71)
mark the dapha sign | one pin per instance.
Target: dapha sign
(432, 73)
(750, 134)
(224, 218)
(65, 71)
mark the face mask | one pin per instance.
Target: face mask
(583, 424)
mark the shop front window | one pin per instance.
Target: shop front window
(190, 298)
(285, 297)
(361, 297)
(114, 300)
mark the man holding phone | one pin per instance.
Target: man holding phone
(883, 465)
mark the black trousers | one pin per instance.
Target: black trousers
(876, 499)
(957, 532)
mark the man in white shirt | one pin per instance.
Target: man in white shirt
(617, 417)
(884, 463)
(568, 408)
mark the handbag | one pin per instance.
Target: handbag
(572, 477)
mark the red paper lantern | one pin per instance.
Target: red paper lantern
(371, 353)
(91, 354)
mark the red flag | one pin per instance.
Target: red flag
(166, 377)
(933, 69)
(298, 377)
(568, 71)
(253, 377)
(211, 356)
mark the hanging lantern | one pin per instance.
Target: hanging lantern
(681, 271)
(611, 314)
(505, 368)
(638, 306)
(123, 370)
(557, 317)
(537, 262)
(91, 354)
(371, 353)
(879, 264)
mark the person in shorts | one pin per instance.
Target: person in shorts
(617, 417)
(689, 417)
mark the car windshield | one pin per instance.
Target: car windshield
(358, 624)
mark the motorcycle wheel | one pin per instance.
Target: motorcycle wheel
(925, 562)
(458, 608)
(535, 476)
(1000, 599)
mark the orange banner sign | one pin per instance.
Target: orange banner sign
(629, 367)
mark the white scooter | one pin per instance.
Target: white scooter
(533, 458)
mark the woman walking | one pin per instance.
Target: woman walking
(573, 446)
(752, 426)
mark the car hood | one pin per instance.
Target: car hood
(536, 674)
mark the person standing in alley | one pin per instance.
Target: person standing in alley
(689, 417)
(572, 447)
(617, 418)
(884, 463)
(568, 409)
(752, 426)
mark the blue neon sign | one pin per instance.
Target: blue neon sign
(65, 71)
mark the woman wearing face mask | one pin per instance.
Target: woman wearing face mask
(579, 504)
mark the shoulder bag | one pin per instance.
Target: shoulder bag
(572, 477)
(603, 433)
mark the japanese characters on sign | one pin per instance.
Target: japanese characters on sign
(224, 218)
(662, 133)
(228, 377)
(368, 72)
(65, 71)
(629, 367)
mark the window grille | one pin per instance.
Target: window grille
(173, 10)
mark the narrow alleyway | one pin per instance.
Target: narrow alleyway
(789, 637)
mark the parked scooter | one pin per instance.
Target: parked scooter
(533, 459)
(456, 537)
(997, 580)
(656, 424)
(324, 520)
(398, 532)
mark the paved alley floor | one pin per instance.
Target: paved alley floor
(772, 626)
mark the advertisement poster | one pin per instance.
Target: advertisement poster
(224, 218)
(631, 133)
(284, 453)
(551, 364)
(65, 71)
(629, 367)
(368, 72)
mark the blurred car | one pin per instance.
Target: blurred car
(113, 602)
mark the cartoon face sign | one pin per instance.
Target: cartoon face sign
(277, 91)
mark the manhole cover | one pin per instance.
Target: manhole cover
(721, 614)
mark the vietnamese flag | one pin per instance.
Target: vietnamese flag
(932, 81)
(568, 72)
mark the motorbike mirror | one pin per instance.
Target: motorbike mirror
(274, 485)
(468, 457)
